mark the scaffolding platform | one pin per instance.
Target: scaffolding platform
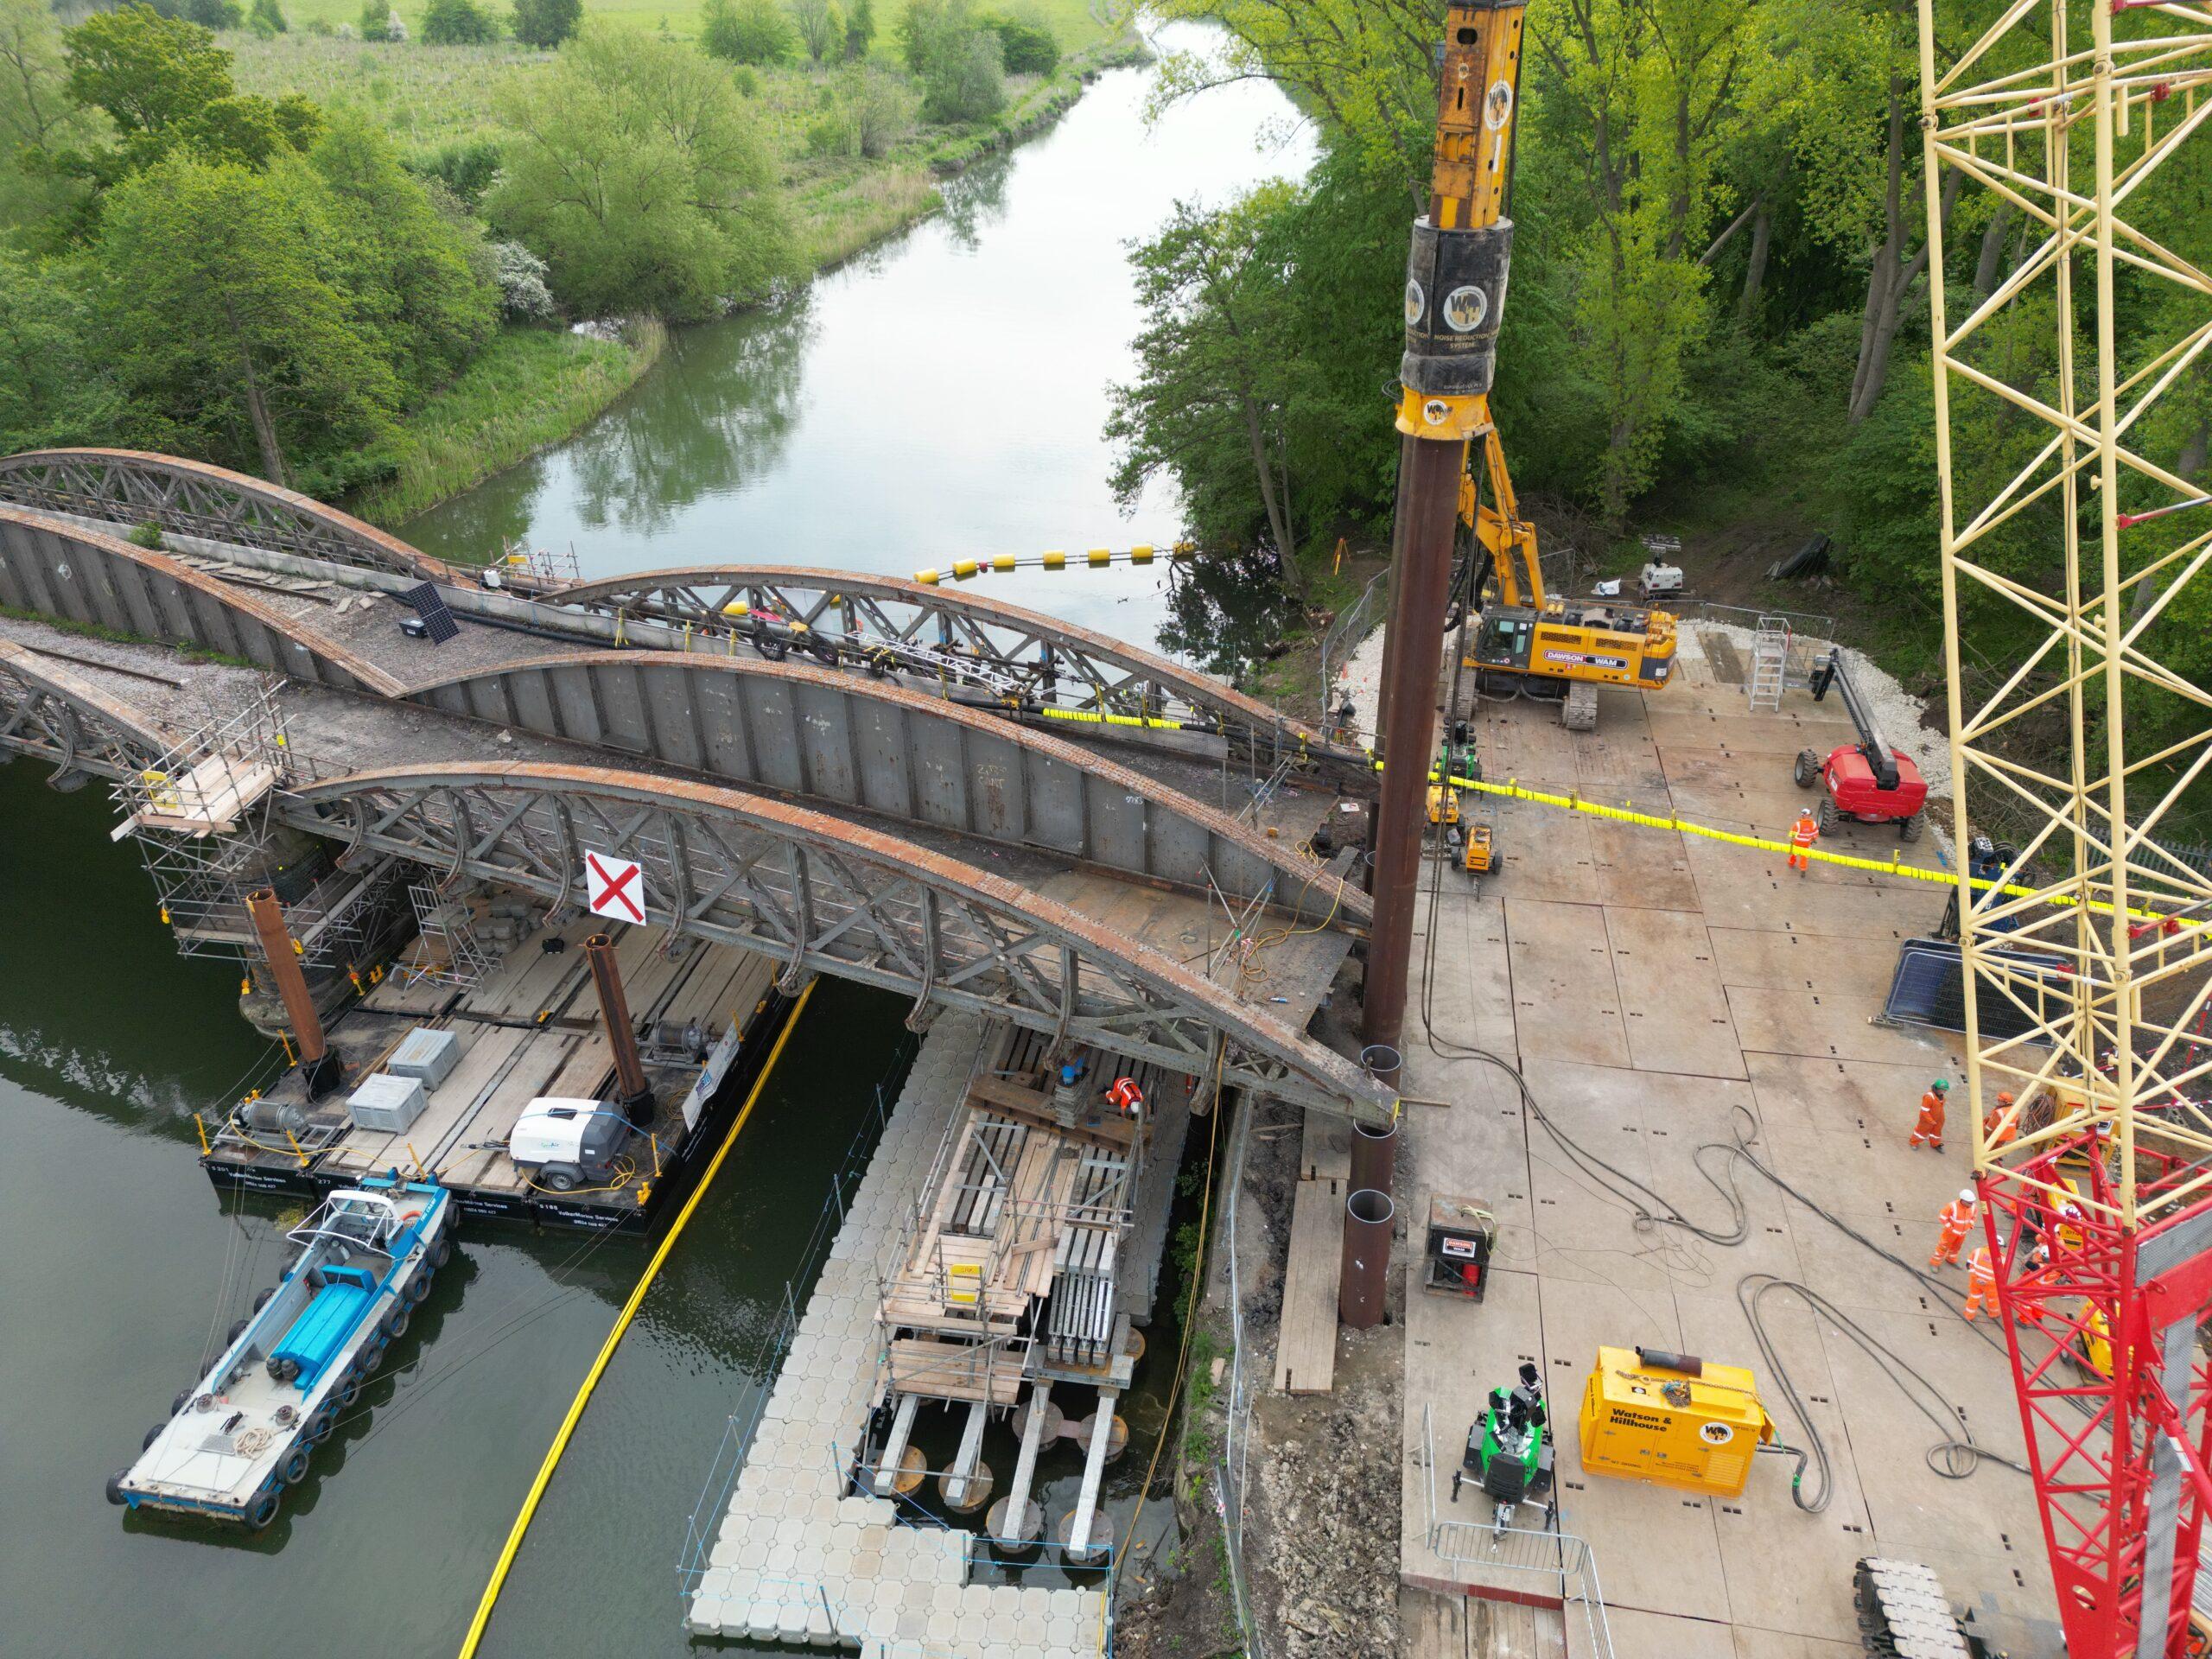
(806, 1554)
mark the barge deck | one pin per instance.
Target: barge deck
(529, 1028)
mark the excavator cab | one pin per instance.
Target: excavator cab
(1503, 640)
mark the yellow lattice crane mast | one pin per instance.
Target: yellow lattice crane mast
(1526, 641)
(2088, 972)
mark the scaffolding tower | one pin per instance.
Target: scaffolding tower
(451, 954)
(2060, 560)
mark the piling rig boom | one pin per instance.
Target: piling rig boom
(2099, 1211)
(1528, 641)
(1455, 293)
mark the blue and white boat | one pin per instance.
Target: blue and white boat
(247, 1431)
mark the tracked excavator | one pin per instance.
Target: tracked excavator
(1525, 642)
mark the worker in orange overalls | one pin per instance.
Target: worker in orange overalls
(1999, 1127)
(1981, 1283)
(1956, 1220)
(1929, 1129)
(1802, 834)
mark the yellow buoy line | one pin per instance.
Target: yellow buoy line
(553, 1453)
(1095, 558)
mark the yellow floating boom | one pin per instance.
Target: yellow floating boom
(1097, 558)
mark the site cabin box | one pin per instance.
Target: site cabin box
(386, 1103)
(428, 1054)
(1672, 1419)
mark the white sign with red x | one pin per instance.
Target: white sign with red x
(617, 887)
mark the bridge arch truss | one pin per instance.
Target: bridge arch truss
(796, 728)
(976, 647)
(826, 896)
(50, 714)
(191, 497)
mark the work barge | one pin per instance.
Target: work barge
(381, 785)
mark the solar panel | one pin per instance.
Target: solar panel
(430, 605)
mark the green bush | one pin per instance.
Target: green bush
(959, 59)
(747, 31)
(147, 536)
(376, 19)
(267, 12)
(966, 82)
(1025, 44)
(546, 23)
(459, 22)
(215, 13)
(467, 169)
(859, 30)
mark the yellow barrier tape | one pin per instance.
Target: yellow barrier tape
(1096, 719)
(1682, 826)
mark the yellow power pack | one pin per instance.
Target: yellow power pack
(1673, 1419)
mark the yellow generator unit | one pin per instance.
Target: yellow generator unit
(1673, 1419)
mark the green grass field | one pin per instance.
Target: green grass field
(1077, 22)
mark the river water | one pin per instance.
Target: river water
(941, 396)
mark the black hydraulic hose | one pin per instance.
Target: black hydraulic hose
(1949, 1457)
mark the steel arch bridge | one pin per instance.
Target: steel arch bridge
(191, 497)
(982, 649)
(827, 896)
(879, 747)
(65, 571)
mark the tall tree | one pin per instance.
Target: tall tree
(221, 311)
(641, 173)
(1216, 362)
(165, 85)
(547, 23)
(1643, 96)
(38, 117)
(418, 274)
(820, 29)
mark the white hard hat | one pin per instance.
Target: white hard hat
(1965, 1195)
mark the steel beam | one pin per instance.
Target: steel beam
(835, 897)
(877, 746)
(84, 577)
(962, 644)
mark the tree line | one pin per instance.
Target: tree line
(1719, 288)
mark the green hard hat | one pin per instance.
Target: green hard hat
(1941, 1086)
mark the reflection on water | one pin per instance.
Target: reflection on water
(728, 405)
(943, 397)
(1224, 612)
(976, 200)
